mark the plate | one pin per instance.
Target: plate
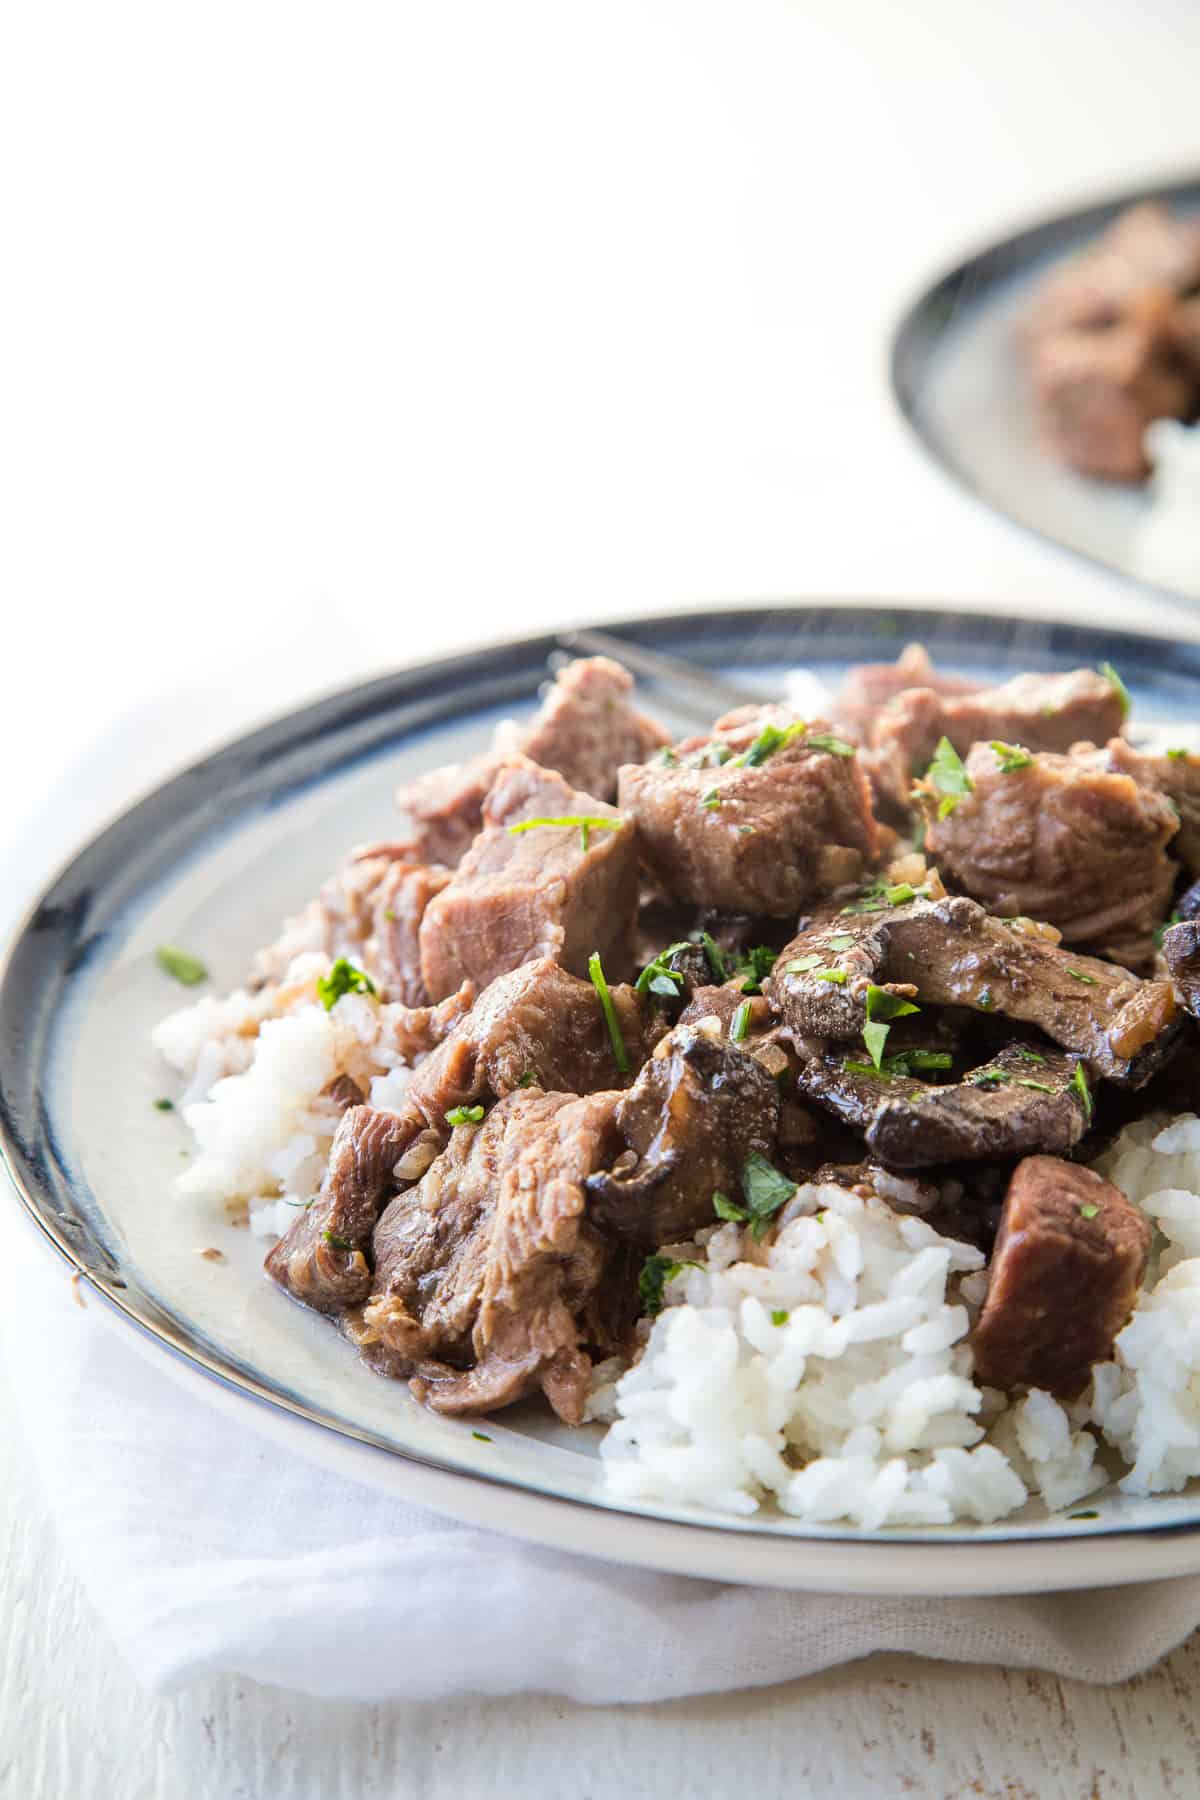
(961, 385)
(214, 859)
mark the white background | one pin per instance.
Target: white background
(388, 329)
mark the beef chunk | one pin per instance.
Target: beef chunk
(1144, 248)
(1064, 1277)
(1040, 712)
(484, 1269)
(1062, 839)
(322, 1258)
(585, 729)
(1097, 391)
(869, 687)
(536, 1024)
(393, 950)
(1018, 1101)
(519, 895)
(1177, 777)
(698, 1109)
(752, 819)
(952, 953)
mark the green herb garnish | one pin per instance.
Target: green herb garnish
(901, 894)
(1027, 1055)
(770, 739)
(342, 979)
(668, 757)
(335, 1242)
(780, 1317)
(711, 800)
(1088, 1211)
(1161, 930)
(529, 1079)
(843, 941)
(755, 966)
(464, 1115)
(1011, 757)
(1039, 1087)
(1118, 687)
(164, 1106)
(658, 977)
(825, 740)
(1179, 755)
(586, 823)
(765, 1189)
(740, 1024)
(986, 1000)
(718, 962)
(181, 965)
(482, 1436)
(656, 1272)
(596, 971)
(725, 1208)
(837, 976)
(1078, 975)
(882, 1008)
(800, 965)
(947, 773)
(1079, 1083)
(1085, 1515)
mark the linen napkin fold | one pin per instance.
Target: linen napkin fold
(205, 1549)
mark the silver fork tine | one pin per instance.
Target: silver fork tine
(715, 692)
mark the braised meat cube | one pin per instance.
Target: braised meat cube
(1039, 712)
(850, 967)
(1175, 775)
(483, 1270)
(1144, 249)
(757, 818)
(1059, 838)
(700, 1107)
(1097, 391)
(1069, 1259)
(869, 687)
(585, 728)
(322, 1258)
(531, 887)
(1020, 1100)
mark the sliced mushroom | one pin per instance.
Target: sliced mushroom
(1181, 952)
(698, 1109)
(1019, 1101)
(951, 952)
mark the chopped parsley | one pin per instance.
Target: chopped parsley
(1085, 1515)
(1078, 975)
(780, 1317)
(1179, 755)
(529, 1079)
(342, 979)
(389, 914)
(1027, 1055)
(900, 894)
(181, 965)
(770, 739)
(482, 1436)
(882, 1008)
(656, 1272)
(843, 941)
(1039, 1087)
(724, 1208)
(668, 758)
(1088, 1211)
(1118, 687)
(755, 966)
(765, 1189)
(947, 773)
(1011, 757)
(825, 740)
(1079, 1083)
(335, 1242)
(747, 830)
(718, 962)
(658, 977)
(740, 1024)
(904, 1062)
(586, 822)
(837, 976)
(464, 1115)
(164, 1106)
(711, 800)
(800, 965)
(878, 897)
(596, 971)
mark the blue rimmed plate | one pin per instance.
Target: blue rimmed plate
(214, 859)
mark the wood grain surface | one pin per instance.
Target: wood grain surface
(74, 1726)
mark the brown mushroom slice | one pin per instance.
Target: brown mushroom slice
(1181, 952)
(1069, 1259)
(951, 952)
(698, 1109)
(1020, 1101)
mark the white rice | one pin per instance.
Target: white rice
(860, 1403)
(256, 1066)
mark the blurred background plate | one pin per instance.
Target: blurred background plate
(961, 385)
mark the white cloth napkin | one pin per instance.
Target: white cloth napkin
(204, 1548)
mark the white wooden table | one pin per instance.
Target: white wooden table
(429, 324)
